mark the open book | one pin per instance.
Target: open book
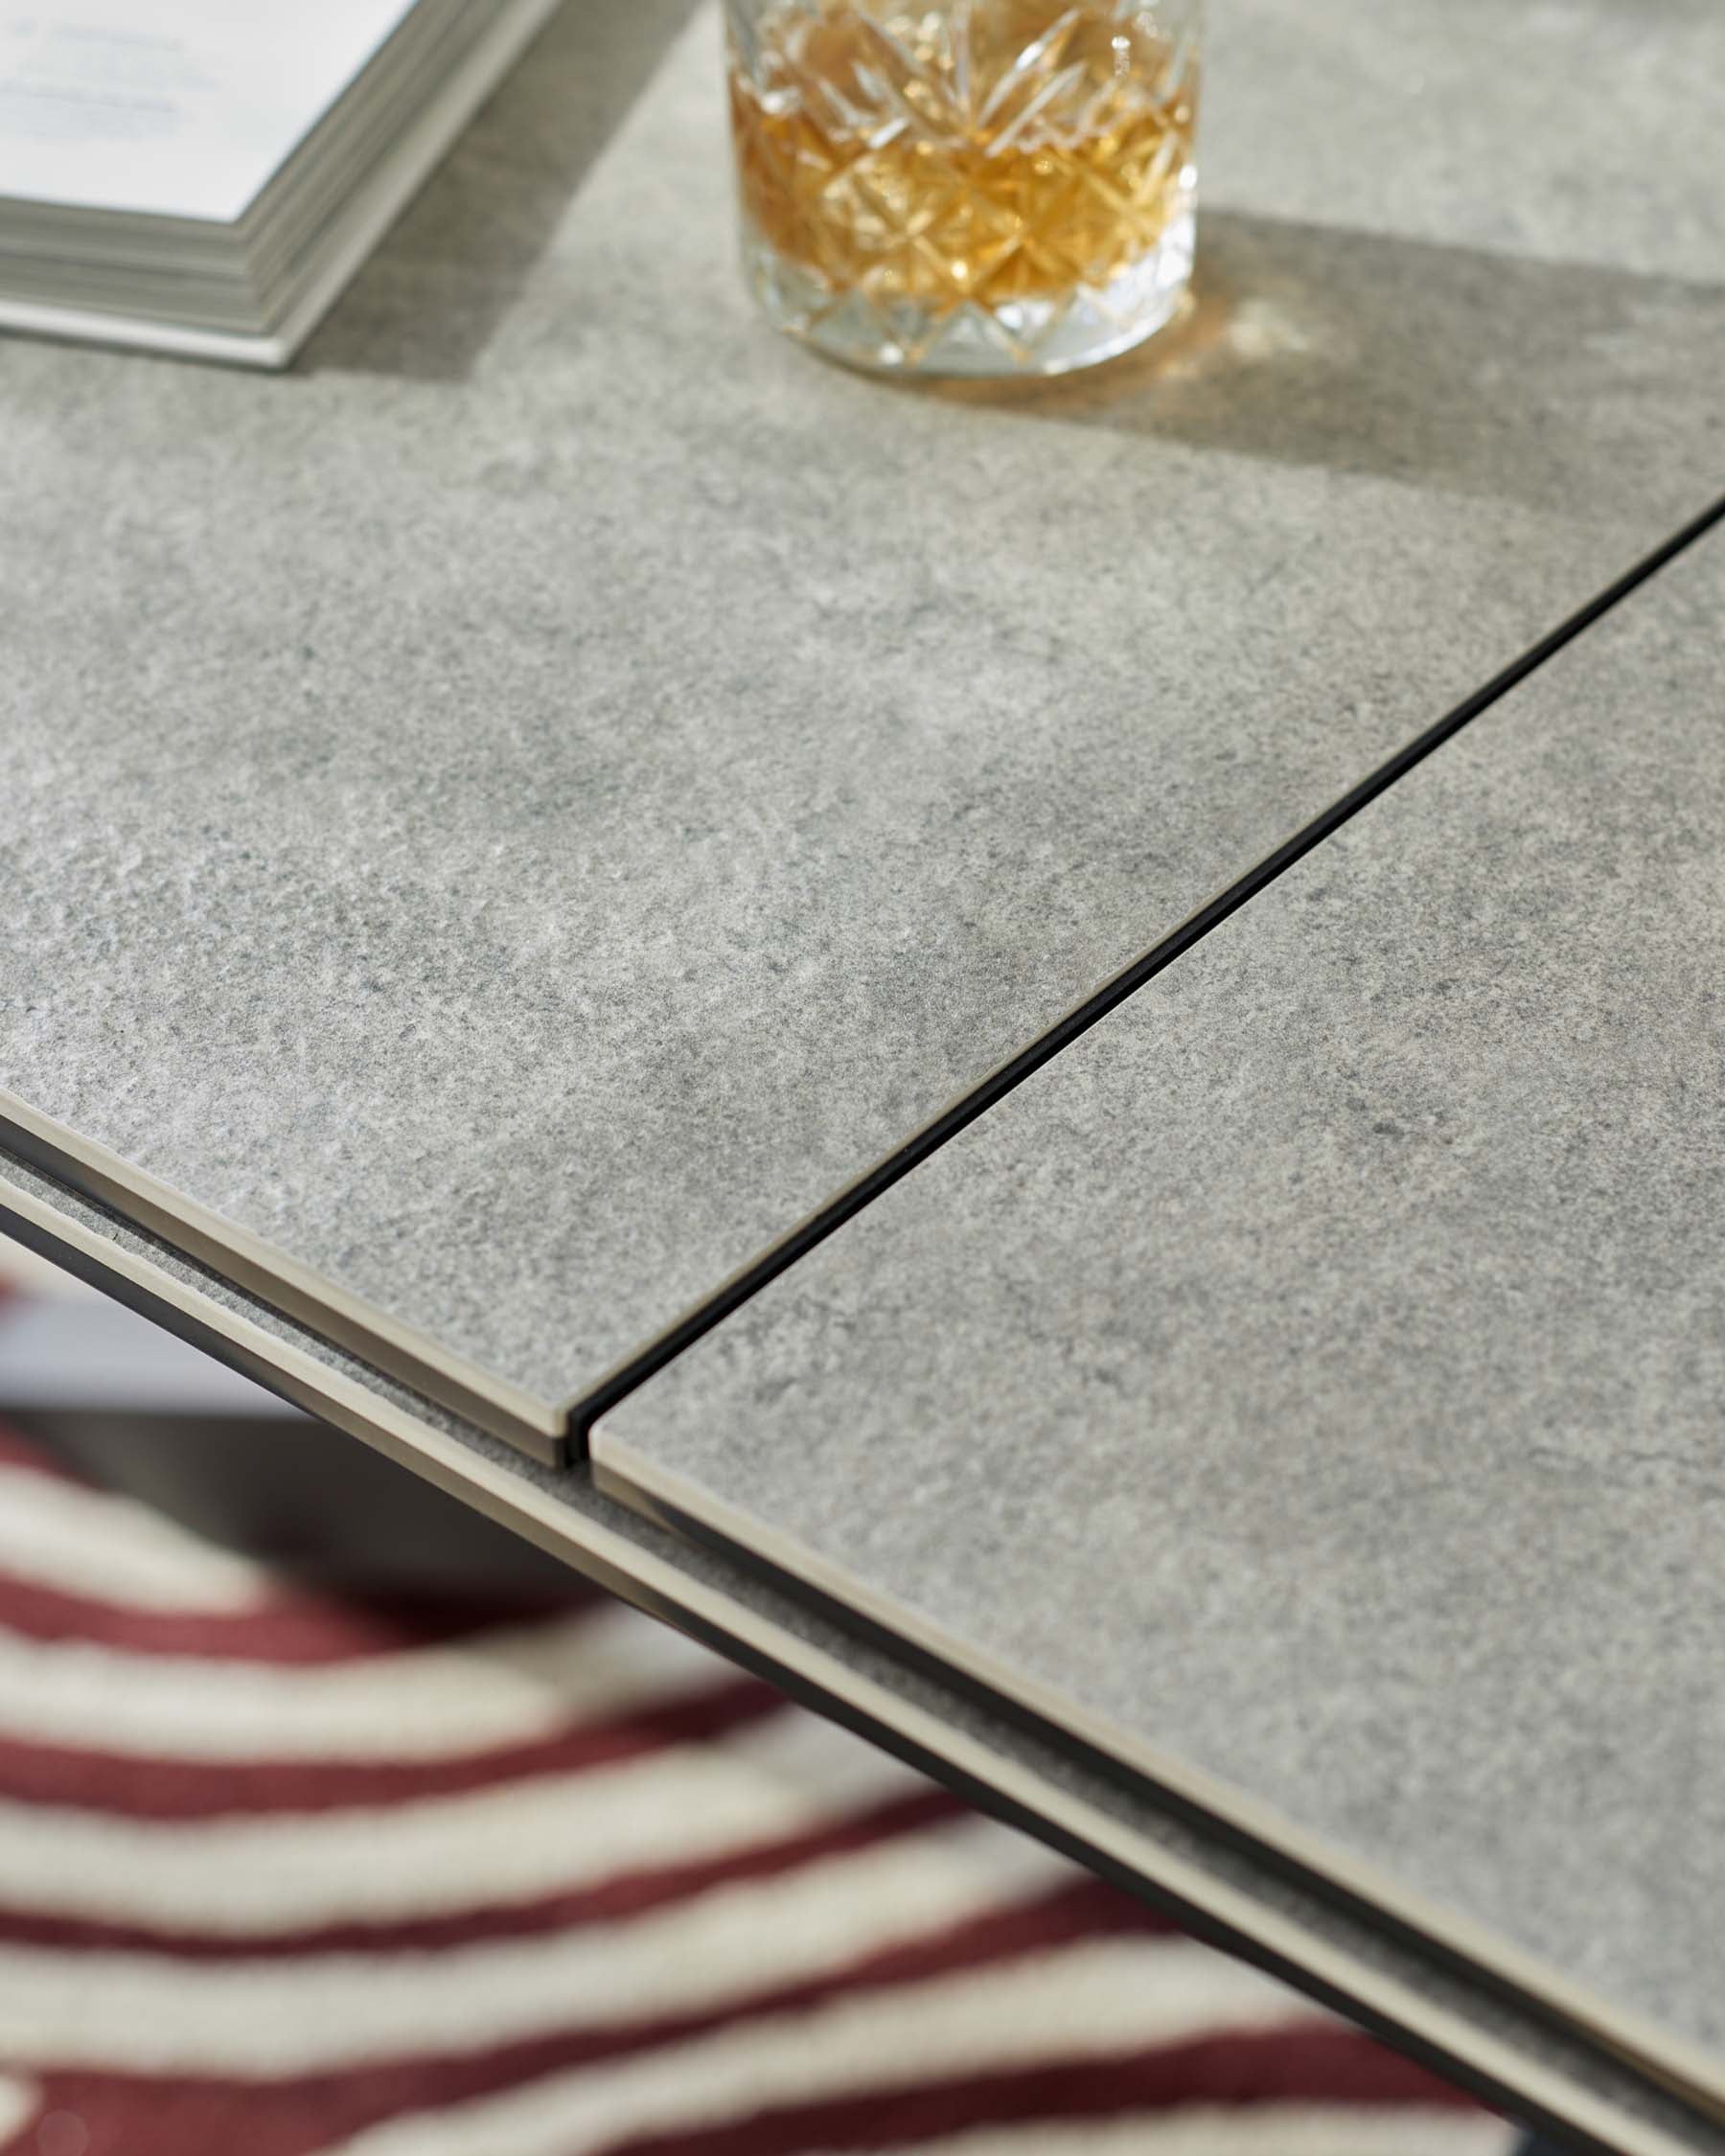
(205, 176)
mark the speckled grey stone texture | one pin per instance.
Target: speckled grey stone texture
(517, 812)
(1222, 1890)
(1604, 122)
(1316, 1371)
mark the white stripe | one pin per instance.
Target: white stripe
(85, 1542)
(1076, 2003)
(540, 1512)
(430, 1703)
(145, 2013)
(246, 1877)
(1272, 2129)
(18, 2102)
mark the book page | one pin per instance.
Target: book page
(171, 107)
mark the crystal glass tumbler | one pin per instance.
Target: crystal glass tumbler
(966, 187)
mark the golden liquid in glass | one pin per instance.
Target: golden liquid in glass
(988, 151)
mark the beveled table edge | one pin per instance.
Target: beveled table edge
(1289, 1935)
(670, 1501)
(299, 1290)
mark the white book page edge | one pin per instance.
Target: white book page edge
(178, 108)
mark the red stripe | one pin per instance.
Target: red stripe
(123, 2114)
(330, 1626)
(182, 1789)
(613, 1901)
(1305, 2065)
(132, 2116)
(292, 2117)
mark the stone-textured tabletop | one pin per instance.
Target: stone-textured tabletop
(500, 824)
(1310, 1384)
(1602, 2102)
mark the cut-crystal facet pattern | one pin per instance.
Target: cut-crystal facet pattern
(969, 186)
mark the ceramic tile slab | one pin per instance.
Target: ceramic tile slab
(499, 825)
(1218, 1888)
(1310, 1385)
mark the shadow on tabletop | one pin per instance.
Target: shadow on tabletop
(427, 302)
(1499, 376)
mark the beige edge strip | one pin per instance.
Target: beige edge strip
(298, 1291)
(517, 1504)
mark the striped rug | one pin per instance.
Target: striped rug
(286, 1872)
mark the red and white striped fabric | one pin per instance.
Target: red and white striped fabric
(285, 1872)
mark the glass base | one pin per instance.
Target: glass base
(1018, 337)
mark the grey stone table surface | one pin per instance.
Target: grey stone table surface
(1309, 1385)
(1602, 2102)
(502, 823)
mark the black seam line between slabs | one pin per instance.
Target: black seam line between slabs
(1013, 1073)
